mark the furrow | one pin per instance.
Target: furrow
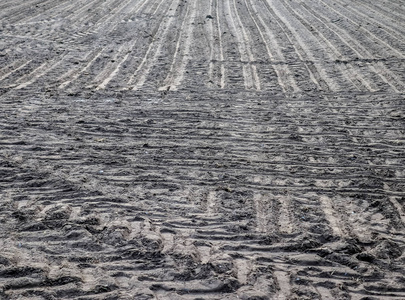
(138, 78)
(270, 38)
(368, 33)
(182, 51)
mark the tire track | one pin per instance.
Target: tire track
(168, 51)
(313, 53)
(6, 4)
(105, 75)
(285, 219)
(391, 38)
(217, 77)
(384, 22)
(14, 18)
(126, 61)
(52, 12)
(103, 23)
(368, 33)
(104, 20)
(74, 75)
(16, 65)
(153, 8)
(393, 14)
(80, 14)
(358, 77)
(264, 213)
(242, 51)
(137, 81)
(176, 74)
(20, 73)
(386, 75)
(313, 73)
(17, 8)
(115, 69)
(283, 282)
(251, 78)
(42, 70)
(283, 75)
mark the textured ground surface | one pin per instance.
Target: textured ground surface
(170, 149)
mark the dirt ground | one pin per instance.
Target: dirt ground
(216, 149)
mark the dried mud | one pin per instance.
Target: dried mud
(154, 149)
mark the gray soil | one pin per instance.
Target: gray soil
(216, 149)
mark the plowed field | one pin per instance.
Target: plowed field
(202, 149)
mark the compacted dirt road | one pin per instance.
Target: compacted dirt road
(216, 149)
